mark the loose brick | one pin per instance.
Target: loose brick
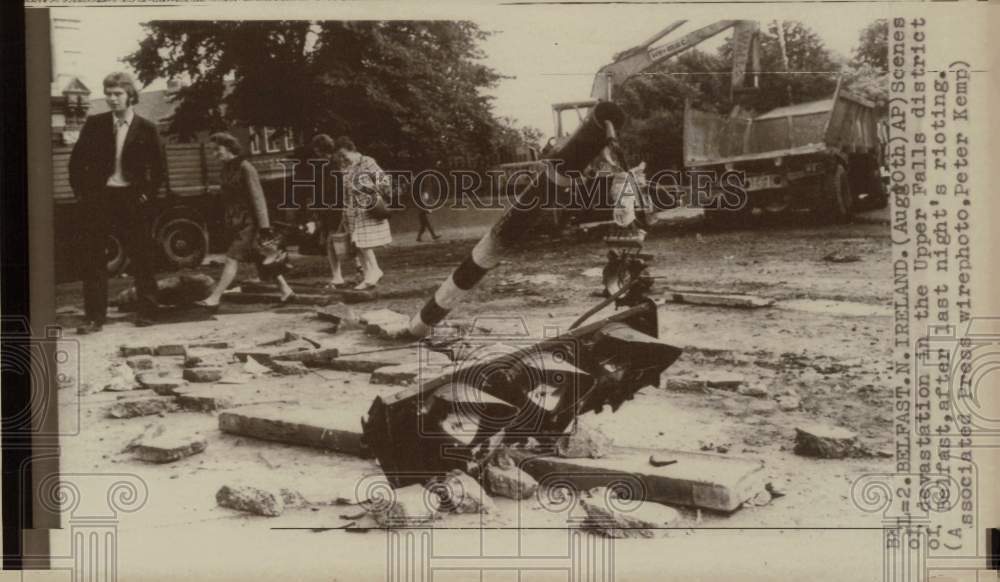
(824, 442)
(140, 363)
(168, 448)
(144, 407)
(129, 351)
(202, 374)
(170, 350)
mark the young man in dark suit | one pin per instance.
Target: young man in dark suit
(116, 169)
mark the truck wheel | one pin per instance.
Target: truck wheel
(184, 242)
(114, 251)
(837, 202)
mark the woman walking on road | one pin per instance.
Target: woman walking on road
(246, 217)
(364, 180)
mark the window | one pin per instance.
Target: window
(290, 142)
(272, 140)
(254, 140)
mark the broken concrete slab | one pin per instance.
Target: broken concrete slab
(315, 358)
(287, 368)
(698, 480)
(140, 363)
(685, 384)
(167, 448)
(583, 443)
(170, 350)
(386, 324)
(332, 429)
(142, 407)
(460, 493)
(723, 380)
(824, 441)
(202, 374)
(764, 407)
(123, 379)
(354, 296)
(221, 397)
(753, 390)
(507, 480)
(251, 500)
(212, 345)
(717, 299)
(789, 403)
(408, 506)
(162, 383)
(129, 351)
(408, 373)
(612, 517)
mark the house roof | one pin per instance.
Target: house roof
(153, 105)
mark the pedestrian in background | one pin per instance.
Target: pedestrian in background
(116, 168)
(330, 219)
(364, 184)
(246, 218)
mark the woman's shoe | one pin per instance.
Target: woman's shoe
(287, 299)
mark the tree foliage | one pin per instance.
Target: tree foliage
(873, 46)
(409, 93)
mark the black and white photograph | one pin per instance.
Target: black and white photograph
(568, 292)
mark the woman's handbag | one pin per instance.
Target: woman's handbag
(380, 210)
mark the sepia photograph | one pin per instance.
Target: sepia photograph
(518, 293)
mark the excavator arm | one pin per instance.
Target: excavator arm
(644, 57)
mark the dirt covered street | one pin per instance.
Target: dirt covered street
(746, 379)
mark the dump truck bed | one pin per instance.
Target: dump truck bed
(842, 122)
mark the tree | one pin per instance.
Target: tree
(873, 46)
(408, 92)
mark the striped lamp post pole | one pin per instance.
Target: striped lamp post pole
(574, 155)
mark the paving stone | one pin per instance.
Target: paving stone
(386, 324)
(702, 480)
(686, 384)
(824, 441)
(583, 443)
(162, 382)
(754, 390)
(287, 368)
(507, 480)
(333, 428)
(221, 397)
(129, 351)
(140, 363)
(717, 299)
(170, 350)
(611, 516)
(168, 447)
(724, 380)
(251, 500)
(202, 374)
(143, 407)
(212, 345)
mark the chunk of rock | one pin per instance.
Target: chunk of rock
(789, 403)
(406, 506)
(212, 345)
(508, 480)
(122, 379)
(251, 500)
(144, 407)
(824, 442)
(763, 407)
(202, 374)
(287, 368)
(583, 443)
(168, 447)
(460, 493)
(129, 351)
(613, 517)
(386, 324)
(170, 350)
(160, 382)
(754, 390)
(140, 363)
(684, 384)
(724, 381)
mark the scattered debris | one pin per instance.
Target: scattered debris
(686, 384)
(212, 345)
(122, 379)
(762, 407)
(202, 374)
(824, 442)
(404, 507)
(460, 493)
(789, 403)
(170, 350)
(717, 299)
(660, 461)
(166, 448)
(161, 383)
(616, 517)
(244, 298)
(504, 478)
(583, 443)
(251, 500)
(342, 316)
(754, 390)
(140, 363)
(288, 368)
(252, 366)
(129, 351)
(386, 324)
(724, 380)
(143, 407)
(759, 500)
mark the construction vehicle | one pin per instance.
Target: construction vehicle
(822, 155)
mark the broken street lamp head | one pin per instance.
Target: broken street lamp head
(500, 392)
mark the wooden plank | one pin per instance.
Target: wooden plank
(717, 299)
(332, 429)
(700, 480)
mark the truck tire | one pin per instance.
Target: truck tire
(836, 201)
(184, 242)
(114, 251)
